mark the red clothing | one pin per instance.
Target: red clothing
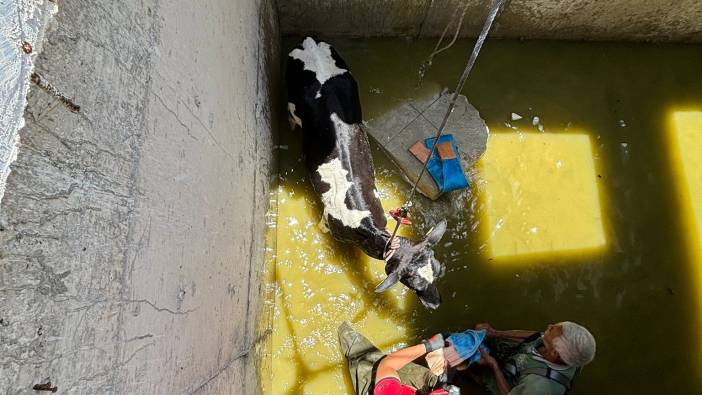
(392, 386)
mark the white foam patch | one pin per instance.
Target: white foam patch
(426, 272)
(333, 174)
(294, 119)
(317, 58)
(536, 121)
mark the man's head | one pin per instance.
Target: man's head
(571, 343)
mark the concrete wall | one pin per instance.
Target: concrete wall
(617, 20)
(22, 26)
(131, 234)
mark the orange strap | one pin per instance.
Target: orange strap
(445, 151)
(420, 151)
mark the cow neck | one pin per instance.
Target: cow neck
(378, 240)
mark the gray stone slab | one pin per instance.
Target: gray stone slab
(418, 119)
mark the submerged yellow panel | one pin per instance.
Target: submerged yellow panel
(540, 194)
(686, 154)
(284, 365)
(321, 283)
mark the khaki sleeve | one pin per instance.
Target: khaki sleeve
(537, 385)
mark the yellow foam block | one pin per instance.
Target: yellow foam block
(381, 329)
(284, 365)
(332, 381)
(322, 283)
(540, 194)
(686, 154)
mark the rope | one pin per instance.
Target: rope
(403, 212)
(429, 60)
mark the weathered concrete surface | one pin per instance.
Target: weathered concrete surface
(615, 20)
(131, 234)
(416, 120)
(22, 25)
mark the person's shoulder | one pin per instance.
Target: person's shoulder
(532, 384)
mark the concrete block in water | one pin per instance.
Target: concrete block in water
(418, 119)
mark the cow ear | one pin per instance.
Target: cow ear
(435, 233)
(389, 281)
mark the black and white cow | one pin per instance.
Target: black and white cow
(323, 101)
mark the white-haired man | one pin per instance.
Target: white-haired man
(532, 363)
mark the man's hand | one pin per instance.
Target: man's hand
(490, 361)
(436, 362)
(487, 360)
(487, 328)
(434, 343)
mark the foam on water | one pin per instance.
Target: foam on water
(640, 281)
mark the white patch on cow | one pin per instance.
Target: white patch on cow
(334, 175)
(426, 272)
(376, 193)
(343, 131)
(292, 117)
(317, 58)
(318, 95)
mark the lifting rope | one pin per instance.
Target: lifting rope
(401, 214)
(428, 61)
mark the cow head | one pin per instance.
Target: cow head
(413, 264)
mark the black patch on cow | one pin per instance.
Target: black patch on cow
(339, 95)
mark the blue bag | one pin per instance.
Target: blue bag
(448, 173)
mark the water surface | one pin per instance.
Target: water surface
(637, 294)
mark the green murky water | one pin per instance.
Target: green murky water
(638, 296)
